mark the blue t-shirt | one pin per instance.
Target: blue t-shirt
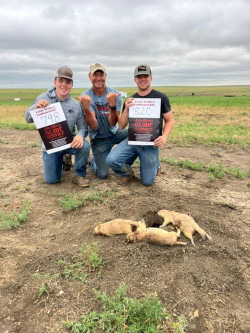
(99, 105)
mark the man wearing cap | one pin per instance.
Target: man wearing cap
(123, 156)
(52, 163)
(102, 106)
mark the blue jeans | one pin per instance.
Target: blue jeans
(52, 163)
(101, 148)
(123, 156)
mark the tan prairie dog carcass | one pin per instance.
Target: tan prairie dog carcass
(184, 222)
(156, 236)
(115, 227)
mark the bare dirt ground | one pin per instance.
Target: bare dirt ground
(207, 282)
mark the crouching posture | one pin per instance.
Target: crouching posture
(122, 157)
(53, 163)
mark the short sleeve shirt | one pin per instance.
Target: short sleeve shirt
(99, 105)
(165, 104)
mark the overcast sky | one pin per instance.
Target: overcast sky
(185, 42)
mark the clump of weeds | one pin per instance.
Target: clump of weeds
(121, 314)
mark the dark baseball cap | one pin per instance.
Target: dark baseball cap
(142, 69)
(65, 72)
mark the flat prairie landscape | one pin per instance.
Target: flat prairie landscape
(46, 283)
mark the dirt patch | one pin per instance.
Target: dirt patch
(210, 277)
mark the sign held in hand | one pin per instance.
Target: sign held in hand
(144, 121)
(52, 127)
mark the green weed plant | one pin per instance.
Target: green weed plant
(88, 260)
(48, 283)
(121, 314)
(9, 220)
(73, 201)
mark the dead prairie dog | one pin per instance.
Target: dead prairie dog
(185, 222)
(156, 236)
(115, 227)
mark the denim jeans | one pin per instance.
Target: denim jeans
(123, 156)
(101, 148)
(52, 163)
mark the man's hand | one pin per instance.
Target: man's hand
(160, 141)
(41, 104)
(77, 142)
(112, 97)
(85, 100)
(128, 103)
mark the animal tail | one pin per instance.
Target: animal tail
(203, 233)
(180, 243)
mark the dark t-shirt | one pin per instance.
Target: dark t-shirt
(165, 104)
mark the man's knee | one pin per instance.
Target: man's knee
(84, 150)
(102, 174)
(147, 182)
(110, 160)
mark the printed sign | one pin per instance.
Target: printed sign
(144, 121)
(52, 127)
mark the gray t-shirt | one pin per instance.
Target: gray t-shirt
(99, 105)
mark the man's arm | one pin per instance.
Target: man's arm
(123, 119)
(90, 117)
(168, 124)
(81, 126)
(112, 97)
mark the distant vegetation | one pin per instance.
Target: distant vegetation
(202, 115)
(222, 95)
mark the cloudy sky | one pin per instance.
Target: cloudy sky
(185, 42)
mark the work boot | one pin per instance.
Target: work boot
(80, 181)
(67, 162)
(122, 181)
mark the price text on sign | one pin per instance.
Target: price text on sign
(48, 116)
(145, 108)
(50, 119)
(52, 127)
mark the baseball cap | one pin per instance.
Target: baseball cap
(66, 72)
(142, 69)
(96, 66)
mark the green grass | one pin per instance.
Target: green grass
(212, 101)
(203, 95)
(120, 314)
(87, 260)
(218, 137)
(9, 220)
(73, 201)
(214, 171)
(207, 118)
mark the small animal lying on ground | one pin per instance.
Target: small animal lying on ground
(184, 222)
(115, 227)
(156, 236)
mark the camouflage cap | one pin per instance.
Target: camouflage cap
(96, 66)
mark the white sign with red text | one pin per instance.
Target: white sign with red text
(53, 127)
(144, 121)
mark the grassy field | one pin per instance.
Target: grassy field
(202, 115)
